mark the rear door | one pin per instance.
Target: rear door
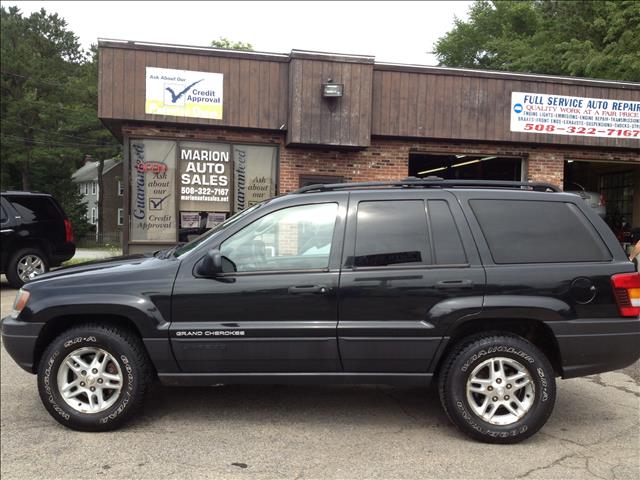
(409, 267)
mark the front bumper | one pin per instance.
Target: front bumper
(589, 346)
(19, 340)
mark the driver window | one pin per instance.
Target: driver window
(294, 238)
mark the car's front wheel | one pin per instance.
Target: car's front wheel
(93, 377)
(497, 388)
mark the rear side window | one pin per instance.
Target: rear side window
(392, 233)
(446, 238)
(520, 231)
(35, 208)
(4, 218)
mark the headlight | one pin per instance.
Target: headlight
(20, 302)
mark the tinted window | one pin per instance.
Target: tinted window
(35, 208)
(391, 233)
(446, 238)
(295, 238)
(538, 232)
(3, 215)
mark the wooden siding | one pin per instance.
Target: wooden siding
(283, 92)
(469, 107)
(255, 90)
(314, 120)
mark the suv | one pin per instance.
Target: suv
(36, 235)
(478, 287)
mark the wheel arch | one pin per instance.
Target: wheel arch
(57, 325)
(535, 331)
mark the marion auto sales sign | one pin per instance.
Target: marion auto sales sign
(575, 116)
(183, 93)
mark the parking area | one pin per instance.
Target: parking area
(318, 432)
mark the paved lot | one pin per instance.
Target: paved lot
(249, 432)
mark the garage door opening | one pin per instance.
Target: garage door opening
(609, 188)
(465, 167)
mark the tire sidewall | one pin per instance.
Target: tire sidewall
(539, 369)
(48, 383)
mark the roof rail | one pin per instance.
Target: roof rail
(430, 182)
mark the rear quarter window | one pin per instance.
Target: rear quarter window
(35, 208)
(524, 231)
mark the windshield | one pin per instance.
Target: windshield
(187, 247)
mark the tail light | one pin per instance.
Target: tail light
(626, 287)
(68, 231)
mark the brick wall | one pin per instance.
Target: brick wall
(386, 158)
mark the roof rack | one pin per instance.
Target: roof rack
(430, 182)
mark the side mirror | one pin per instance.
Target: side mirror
(211, 264)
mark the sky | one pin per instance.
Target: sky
(397, 32)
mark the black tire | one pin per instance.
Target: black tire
(125, 347)
(12, 267)
(469, 355)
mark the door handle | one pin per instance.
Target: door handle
(319, 289)
(444, 284)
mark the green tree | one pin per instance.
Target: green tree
(584, 38)
(224, 42)
(48, 87)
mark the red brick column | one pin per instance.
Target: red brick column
(546, 167)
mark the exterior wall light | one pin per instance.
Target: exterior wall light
(332, 89)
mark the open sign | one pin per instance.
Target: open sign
(152, 167)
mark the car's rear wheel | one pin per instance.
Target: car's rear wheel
(93, 377)
(498, 388)
(25, 265)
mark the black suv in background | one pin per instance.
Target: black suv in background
(490, 290)
(36, 235)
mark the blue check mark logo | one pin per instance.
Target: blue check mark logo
(156, 203)
(176, 96)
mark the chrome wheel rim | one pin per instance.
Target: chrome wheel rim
(29, 267)
(90, 380)
(500, 391)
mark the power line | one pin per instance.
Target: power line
(41, 82)
(55, 144)
(45, 130)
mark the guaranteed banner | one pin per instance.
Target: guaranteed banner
(575, 116)
(183, 93)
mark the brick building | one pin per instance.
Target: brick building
(208, 132)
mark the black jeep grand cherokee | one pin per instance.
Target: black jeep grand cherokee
(491, 289)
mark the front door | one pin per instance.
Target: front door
(410, 264)
(276, 308)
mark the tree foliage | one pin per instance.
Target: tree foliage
(224, 42)
(48, 87)
(598, 39)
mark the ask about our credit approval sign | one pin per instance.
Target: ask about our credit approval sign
(183, 93)
(575, 116)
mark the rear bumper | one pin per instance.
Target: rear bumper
(62, 254)
(19, 340)
(589, 346)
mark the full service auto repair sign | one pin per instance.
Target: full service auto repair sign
(577, 116)
(183, 93)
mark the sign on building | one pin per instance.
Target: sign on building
(575, 116)
(183, 93)
(205, 177)
(153, 207)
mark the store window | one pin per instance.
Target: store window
(255, 174)
(153, 191)
(179, 190)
